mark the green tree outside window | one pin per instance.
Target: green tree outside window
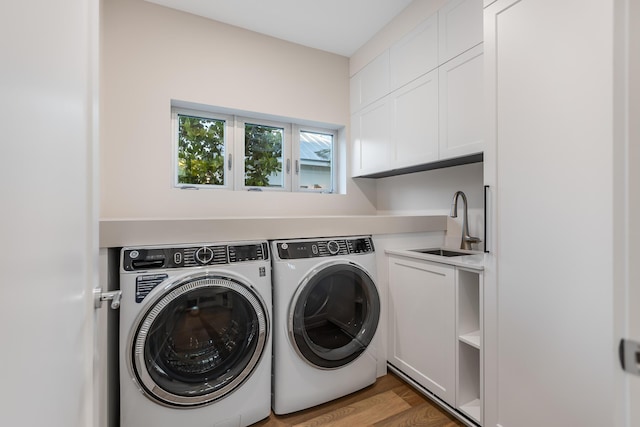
(200, 150)
(263, 154)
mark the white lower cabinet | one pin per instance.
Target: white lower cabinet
(422, 325)
(435, 330)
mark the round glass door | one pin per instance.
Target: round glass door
(199, 341)
(334, 315)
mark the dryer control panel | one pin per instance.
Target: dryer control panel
(299, 249)
(148, 258)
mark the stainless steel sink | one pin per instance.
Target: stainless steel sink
(440, 252)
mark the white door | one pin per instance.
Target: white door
(48, 224)
(633, 216)
(550, 323)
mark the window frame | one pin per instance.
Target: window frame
(297, 168)
(240, 122)
(228, 177)
(234, 148)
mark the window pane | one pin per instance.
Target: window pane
(200, 150)
(316, 161)
(263, 156)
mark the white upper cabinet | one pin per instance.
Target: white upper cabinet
(371, 135)
(415, 54)
(460, 27)
(371, 83)
(432, 86)
(415, 122)
(462, 105)
(399, 130)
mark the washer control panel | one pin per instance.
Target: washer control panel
(148, 258)
(299, 249)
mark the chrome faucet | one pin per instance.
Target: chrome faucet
(467, 240)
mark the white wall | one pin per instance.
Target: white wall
(431, 193)
(152, 54)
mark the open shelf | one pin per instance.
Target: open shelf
(469, 380)
(469, 346)
(469, 305)
(471, 409)
(472, 338)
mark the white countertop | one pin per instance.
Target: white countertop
(129, 232)
(474, 261)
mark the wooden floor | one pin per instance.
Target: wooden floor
(390, 402)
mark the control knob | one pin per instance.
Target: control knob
(204, 255)
(333, 247)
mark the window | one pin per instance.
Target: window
(200, 149)
(316, 169)
(242, 153)
(265, 145)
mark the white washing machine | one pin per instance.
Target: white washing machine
(326, 310)
(195, 341)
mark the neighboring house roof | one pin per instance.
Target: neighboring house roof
(313, 143)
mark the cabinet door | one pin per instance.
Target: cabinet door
(462, 105)
(422, 324)
(459, 27)
(415, 54)
(371, 138)
(549, 325)
(415, 122)
(371, 83)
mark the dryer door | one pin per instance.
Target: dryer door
(199, 341)
(334, 315)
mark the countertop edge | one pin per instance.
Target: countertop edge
(472, 262)
(127, 232)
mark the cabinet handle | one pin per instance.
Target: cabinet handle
(230, 161)
(630, 356)
(486, 236)
(288, 166)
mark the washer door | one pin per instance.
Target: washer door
(334, 315)
(199, 341)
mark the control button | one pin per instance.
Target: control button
(177, 258)
(204, 255)
(134, 254)
(314, 249)
(333, 247)
(284, 246)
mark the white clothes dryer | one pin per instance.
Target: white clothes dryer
(195, 341)
(326, 312)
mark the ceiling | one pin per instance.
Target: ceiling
(338, 26)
